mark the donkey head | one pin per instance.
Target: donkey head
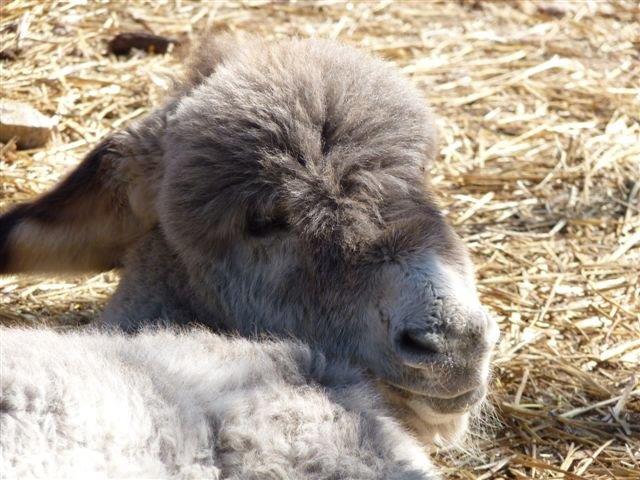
(288, 183)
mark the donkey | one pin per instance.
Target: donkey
(282, 190)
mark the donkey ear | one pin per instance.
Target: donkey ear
(206, 55)
(90, 218)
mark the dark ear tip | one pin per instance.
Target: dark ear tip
(8, 222)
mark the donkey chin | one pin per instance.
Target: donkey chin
(440, 419)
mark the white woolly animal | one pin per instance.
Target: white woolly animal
(193, 404)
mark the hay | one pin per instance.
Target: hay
(539, 107)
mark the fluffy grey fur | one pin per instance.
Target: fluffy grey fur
(191, 406)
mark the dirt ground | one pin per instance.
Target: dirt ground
(539, 170)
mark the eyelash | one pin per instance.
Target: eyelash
(262, 227)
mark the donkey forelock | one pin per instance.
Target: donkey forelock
(306, 134)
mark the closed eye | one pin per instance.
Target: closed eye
(265, 226)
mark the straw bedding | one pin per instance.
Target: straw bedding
(539, 106)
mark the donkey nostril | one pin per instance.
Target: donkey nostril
(418, 344)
